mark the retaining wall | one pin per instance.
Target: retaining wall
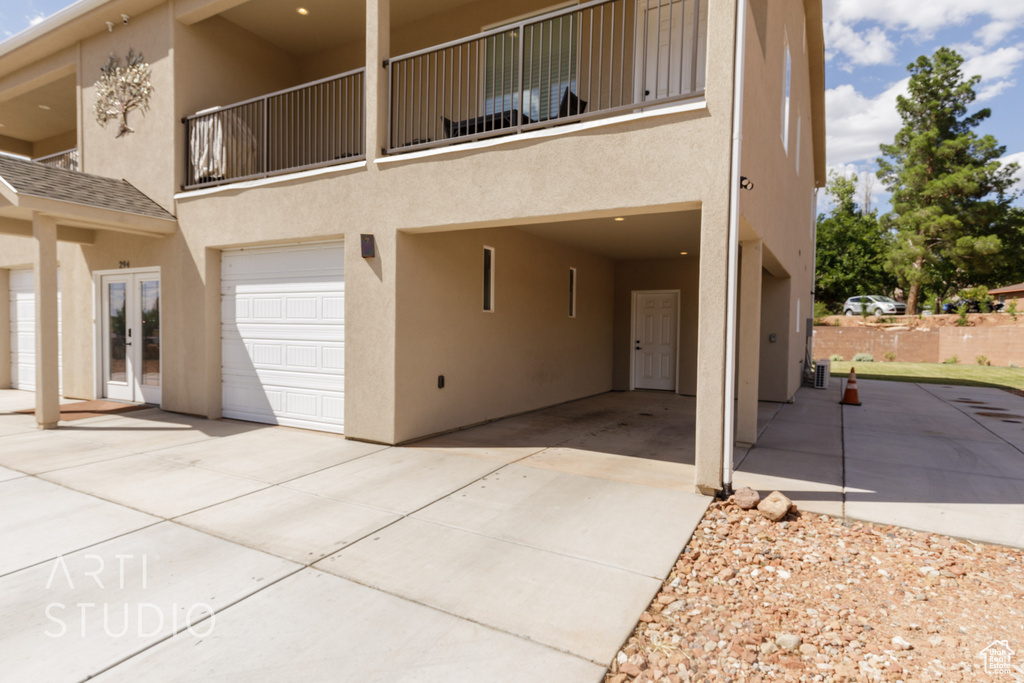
(1002, 345)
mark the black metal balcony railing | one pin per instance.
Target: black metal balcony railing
(68, 160)
(594, 59)
(308, 126)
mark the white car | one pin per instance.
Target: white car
(874, 305)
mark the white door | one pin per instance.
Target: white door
(665, 62)
(656, 329)
(283, 335)
(130, 330)
(23, 328)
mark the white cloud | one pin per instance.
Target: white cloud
(908, 15)
(846, 33)
(856, 125)
(863, 49)
(994, 32)
(36, 19)
(996, 65)
(993, 90)
(870, 190)
(1019, 158)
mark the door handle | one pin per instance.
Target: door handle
(639, 348)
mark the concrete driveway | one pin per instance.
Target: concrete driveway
(326, 559)
(521, 550)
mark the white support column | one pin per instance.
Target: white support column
(378, 48)
(749, 350)
(44, 229)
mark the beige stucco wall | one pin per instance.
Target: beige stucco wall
(57, 143)
(648, 274)
(422, 207)
(525, 353)
(218, 63)
(779, 209)
(145, 157)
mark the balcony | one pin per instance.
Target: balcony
(592, 60)
(68, 160)
(309, 126)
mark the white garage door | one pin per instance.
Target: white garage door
(283, 335)
(23, 328)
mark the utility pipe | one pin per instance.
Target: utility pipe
(729, 435)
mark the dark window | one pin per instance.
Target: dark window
(572, 292)
(488, 279)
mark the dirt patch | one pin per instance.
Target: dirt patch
(84, 409)
(814, 599)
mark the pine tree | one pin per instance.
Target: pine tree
(951, 196)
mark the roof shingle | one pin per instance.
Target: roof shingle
(39, 180)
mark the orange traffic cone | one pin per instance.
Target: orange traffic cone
(850, 397)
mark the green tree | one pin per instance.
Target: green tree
(951, 196)
(851, 248)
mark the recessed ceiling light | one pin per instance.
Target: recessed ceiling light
(303, 11)
(43, 106)
(620, 219)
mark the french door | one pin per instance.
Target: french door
(131, 336)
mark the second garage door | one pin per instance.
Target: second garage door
(283, 335)
(23, 328)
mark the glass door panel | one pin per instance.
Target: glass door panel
(131, 337)
(150, 295)
(117, 359)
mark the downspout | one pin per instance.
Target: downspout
(729, 435)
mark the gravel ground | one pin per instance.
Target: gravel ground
(811, 598)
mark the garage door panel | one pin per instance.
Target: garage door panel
(243, 357)
(313, 407)
(22, 311)
(282, 307)
(282, 338)
(285, 380)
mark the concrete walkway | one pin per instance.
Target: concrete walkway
(521, 550)
(945, 459)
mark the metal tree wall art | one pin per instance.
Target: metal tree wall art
(122, 89)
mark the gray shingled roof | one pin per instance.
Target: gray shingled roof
(39, 180)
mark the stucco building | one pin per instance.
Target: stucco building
(394, 218)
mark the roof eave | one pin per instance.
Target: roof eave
(81, 215)
(816, 59)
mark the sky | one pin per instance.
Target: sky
(868, 45)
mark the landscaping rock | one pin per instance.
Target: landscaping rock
(901, 644)
(816, 580)
(788, 642)
(746, 498)
(775, 506)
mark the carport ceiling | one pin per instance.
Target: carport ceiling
(328, 22)
(41, 113)
(639, 236)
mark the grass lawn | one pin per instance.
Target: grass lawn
(936, 373)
